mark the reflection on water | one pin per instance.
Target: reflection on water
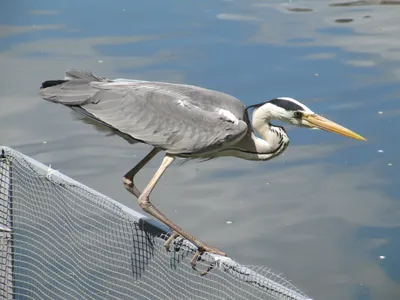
(344, 20)
(299, 9)
(324, 212)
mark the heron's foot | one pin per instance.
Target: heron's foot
(167, 244)
(202, 247)
(197, 256)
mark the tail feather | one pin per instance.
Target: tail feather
(74, 90)
(49, 83)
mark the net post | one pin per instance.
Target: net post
(6, 278)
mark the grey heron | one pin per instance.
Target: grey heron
(184, 121)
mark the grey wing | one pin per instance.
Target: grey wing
(165, 119)
(206, 99)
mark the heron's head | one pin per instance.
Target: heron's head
(293, 112)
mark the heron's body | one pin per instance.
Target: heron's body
(183, 121)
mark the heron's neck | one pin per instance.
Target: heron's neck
(273, 140)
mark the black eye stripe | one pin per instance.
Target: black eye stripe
(287, 105)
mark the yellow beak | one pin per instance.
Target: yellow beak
(327, 125)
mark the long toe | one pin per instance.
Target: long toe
(167, 244)
(201, 249)
(194, 260)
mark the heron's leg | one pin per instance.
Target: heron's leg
(129, 184)
(128, 177)
(148, 207)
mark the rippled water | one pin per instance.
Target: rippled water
(323, 213)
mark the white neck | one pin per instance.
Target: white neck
(273, 140)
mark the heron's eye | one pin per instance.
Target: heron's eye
(297, 114)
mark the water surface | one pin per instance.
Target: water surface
(323, 213)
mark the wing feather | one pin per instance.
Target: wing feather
(164, 120)
(181, 119)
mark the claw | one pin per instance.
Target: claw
(194, 260)
(207, 270)
(197, 256)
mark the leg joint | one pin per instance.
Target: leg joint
(127, 181)
(144, 202)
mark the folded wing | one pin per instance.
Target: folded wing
(177, 118)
